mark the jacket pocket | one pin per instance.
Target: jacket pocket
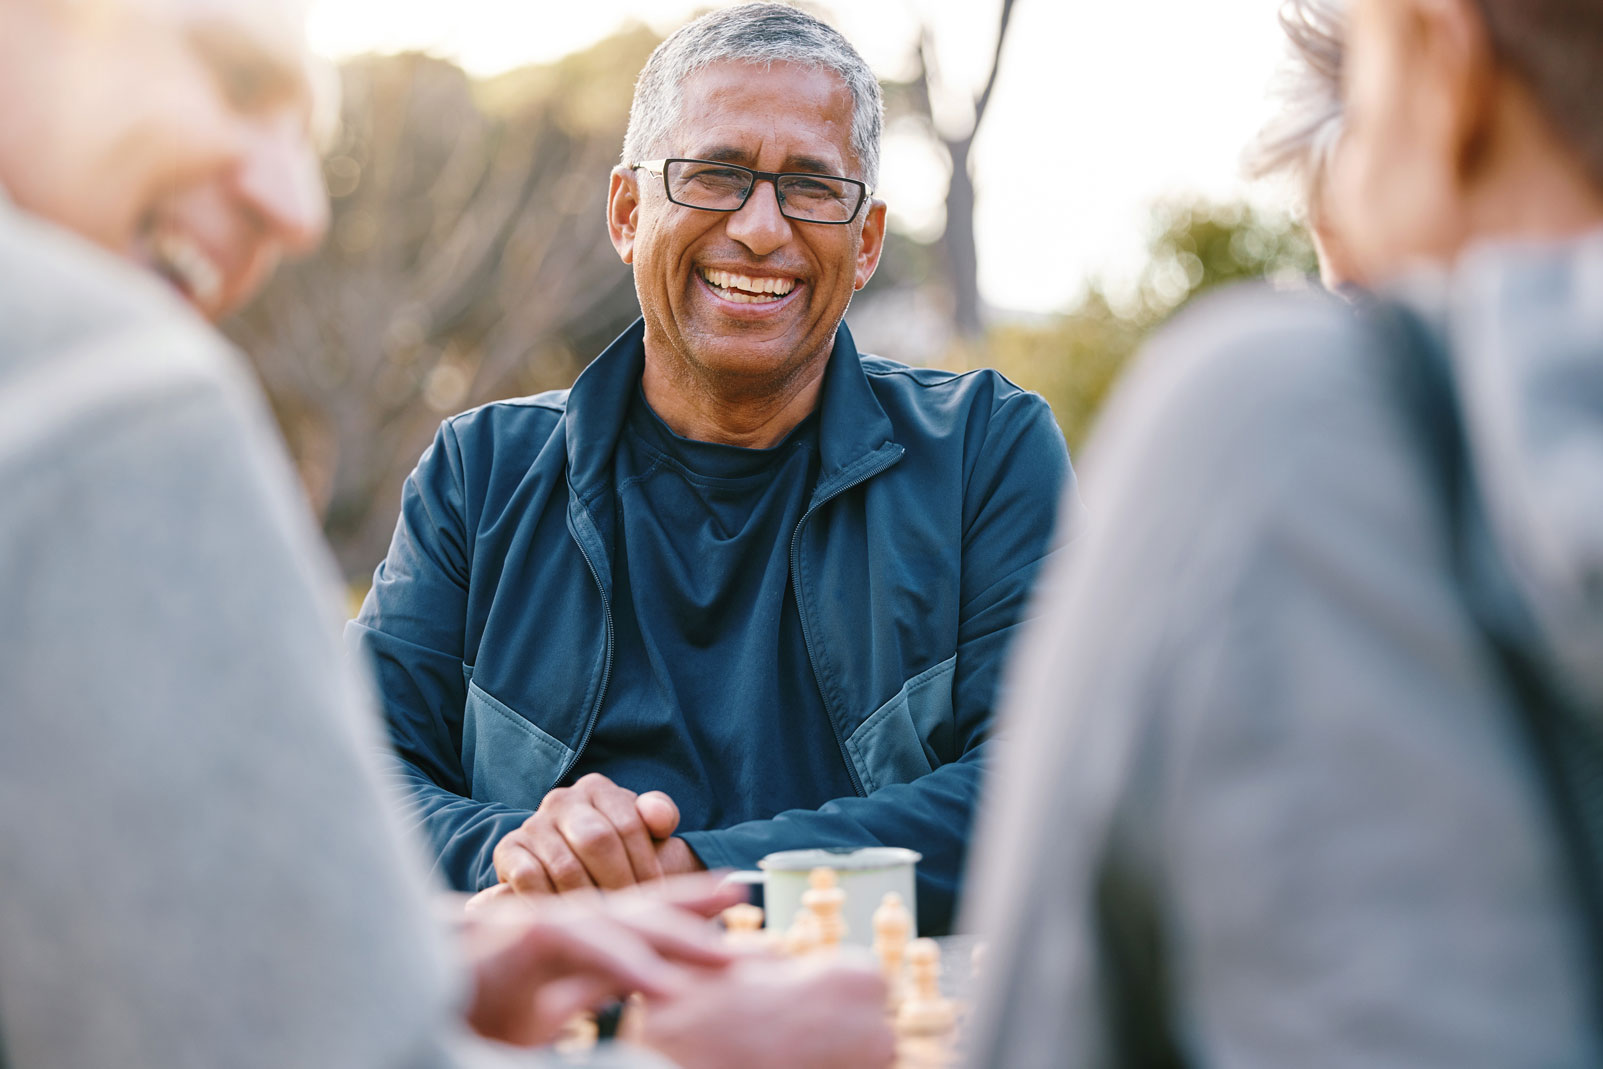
(507, 759)
(892, 745)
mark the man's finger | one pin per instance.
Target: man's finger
(659, 812)
(592, 839)
(679, 936)
(705, 894)
(621, 809)
(492, 898)
(561, 866)
(603, 947)
(517, 864)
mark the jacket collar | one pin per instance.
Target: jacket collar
(853, 429)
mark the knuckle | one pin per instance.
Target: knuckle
(565, 871)
(590, 837)
(527, 879)
(507, 849)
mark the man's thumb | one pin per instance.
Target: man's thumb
(658, 812)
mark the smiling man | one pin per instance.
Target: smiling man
(742, 588)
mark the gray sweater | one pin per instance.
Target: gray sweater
(1264, 801)
(198, 866)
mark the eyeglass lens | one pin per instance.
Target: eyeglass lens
(722, 188)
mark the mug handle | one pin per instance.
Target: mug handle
(748, 877)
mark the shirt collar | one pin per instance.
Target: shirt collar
(852, 423)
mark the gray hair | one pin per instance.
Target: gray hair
(1302, 138)
(761, 34)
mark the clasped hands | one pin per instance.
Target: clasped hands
(594, 834)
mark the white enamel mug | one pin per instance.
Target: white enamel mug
(866, 874)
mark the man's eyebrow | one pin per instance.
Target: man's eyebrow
(808, 164)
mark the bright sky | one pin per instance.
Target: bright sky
(1102, 106)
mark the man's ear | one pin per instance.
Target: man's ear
(623, 212)
(1457, 77)
(873, 244)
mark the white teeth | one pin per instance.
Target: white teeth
(192, 268)
(743, 289)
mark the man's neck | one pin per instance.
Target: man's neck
(753, 418)
(1532, 185)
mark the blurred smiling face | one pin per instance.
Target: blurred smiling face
(751, 292)
(179, 138)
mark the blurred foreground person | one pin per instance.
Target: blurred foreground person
(197, 866)
(1301, 747)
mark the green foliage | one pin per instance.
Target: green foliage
(1075, 360)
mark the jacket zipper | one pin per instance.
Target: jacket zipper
(606, 668)
(801, 613)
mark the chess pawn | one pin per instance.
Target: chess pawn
(924, 1012)
(743, 924)
(802, 935)
(893, 924)
(825, 899)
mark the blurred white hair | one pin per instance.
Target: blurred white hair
(1301, 139)
(761, 34)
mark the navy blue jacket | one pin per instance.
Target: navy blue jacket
(489, 624)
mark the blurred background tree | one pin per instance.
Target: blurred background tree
(917, 98)
(1075, 359)
(468, 260)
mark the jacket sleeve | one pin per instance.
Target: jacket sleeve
(411, 632)
(1009, 529)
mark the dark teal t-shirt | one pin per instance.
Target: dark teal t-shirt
(712, 697)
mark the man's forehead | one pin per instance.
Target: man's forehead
(727, 109)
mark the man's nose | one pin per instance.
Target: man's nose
(758, 224)
(282, 182)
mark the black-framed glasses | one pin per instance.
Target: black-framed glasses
(723, 187)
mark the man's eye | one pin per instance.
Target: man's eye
(246, 87)
(718, 178)
(813, 189)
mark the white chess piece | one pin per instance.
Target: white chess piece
(893, 925)
(825, 899)
(924, 1011)
(743, 924)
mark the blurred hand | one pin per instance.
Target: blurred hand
(534, 967)
(703, 894)
(594, 834)
(777, 1013)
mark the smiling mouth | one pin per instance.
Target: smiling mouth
(181, 262)
(745, 289)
